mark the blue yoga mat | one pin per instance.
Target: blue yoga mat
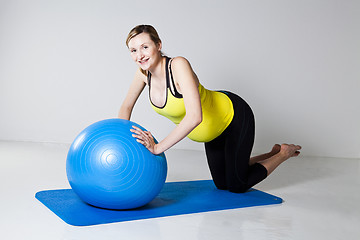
(175, 198)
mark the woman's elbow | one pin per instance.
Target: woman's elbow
(124, 112)
(197, 119)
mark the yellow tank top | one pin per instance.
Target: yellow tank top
(217, 110)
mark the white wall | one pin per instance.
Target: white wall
(64, 65)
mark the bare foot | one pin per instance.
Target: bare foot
(290, 150)
(258, 159)
(286, 151)
(276, 148)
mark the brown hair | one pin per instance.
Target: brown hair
(154, 36)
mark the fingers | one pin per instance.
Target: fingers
(138, 133)
(143, 137)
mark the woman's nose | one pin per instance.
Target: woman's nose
(140, 54)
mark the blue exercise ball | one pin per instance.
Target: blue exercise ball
(107, 168)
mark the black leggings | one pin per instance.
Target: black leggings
(229, 154)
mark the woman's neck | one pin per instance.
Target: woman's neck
(158, 71)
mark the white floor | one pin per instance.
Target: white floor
(322, 201)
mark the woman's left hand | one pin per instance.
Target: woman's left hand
(145, 138)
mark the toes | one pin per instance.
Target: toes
(296, 154)
(291, 150)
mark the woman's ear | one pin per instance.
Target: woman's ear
(159, 46)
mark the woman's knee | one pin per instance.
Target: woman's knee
(238, 188)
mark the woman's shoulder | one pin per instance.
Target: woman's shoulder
(141, 75)
(182, 69)
(180, 62)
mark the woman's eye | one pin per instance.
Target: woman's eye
(133, 50)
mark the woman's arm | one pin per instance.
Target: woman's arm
(187, 84)
(133, 94)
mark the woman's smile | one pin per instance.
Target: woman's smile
(144, 51)
(143, 61)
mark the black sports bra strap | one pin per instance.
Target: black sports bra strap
(167, 72)
(149, 78)
(173, 87)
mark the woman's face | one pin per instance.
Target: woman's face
(144, 51)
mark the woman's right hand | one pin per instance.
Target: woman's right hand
(145, 138)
